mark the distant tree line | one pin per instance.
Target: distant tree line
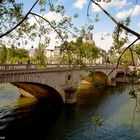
(13, 54)
(126, 58)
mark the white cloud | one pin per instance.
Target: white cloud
(60, 1)
(126, 13)
(52, 34)
(113, 3)
(32, 20)
(102, 4)
(49, 16)
(136, 10)
(119, 3)
(79, 4)
(53, 41)
(53, 16)
(103, 40)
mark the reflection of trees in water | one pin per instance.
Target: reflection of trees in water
(1, 88)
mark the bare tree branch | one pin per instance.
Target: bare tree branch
(136, 53)
(121, 57)
(9, 31)
(49, 24)
(116, 22)
(125, 28)
(132, 56)
(2, 13)
(1, 1)
(69, 31)
(88, 8)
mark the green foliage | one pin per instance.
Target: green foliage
(132, 93)
(113, 59)
(137, 48)
(127, 58)
(42, 2)
(3, 53)
(97, 120)
(14, 60)
(78, 53)
(134, 76)
(39, 55)
(119, 36)
(11, 12)
(91, 72)
(97, 84)
(21, 53)
(118, 90)
(13, 54)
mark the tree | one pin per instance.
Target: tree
(137, 48)
(78, 52)
(15, 55)
(120, 37)
(3, 53)
(15, 24)
(39, 55)
(67, 52)
(21, 53)
(126, 58)
(11, 53)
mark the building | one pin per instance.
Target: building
(31, 51)
(53, 55)
(89, 38)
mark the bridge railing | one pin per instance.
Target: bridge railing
(17, 66)
(51, 66)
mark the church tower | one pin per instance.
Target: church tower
(89, 38)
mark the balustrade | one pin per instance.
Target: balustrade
(8, 67)
(17, 66)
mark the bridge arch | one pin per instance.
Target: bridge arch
(120, 74)
(100, 76)
(42, 92)
(96, 77)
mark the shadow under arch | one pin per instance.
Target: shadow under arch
(100, 77)
(96, 76)
(120, 74)
(42, 92)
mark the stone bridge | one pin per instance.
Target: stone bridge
(57, 83)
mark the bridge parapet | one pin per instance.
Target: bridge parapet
(17, 66)
(35, 66)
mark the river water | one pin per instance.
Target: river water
(25, 118)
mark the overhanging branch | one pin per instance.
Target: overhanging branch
(116, 22)
(49, 24)
(9, 31)
(121, 57)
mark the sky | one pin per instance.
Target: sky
(119, 9)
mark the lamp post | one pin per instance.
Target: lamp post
(51, 56)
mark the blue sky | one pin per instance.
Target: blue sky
(119, 9)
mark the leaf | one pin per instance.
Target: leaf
(132, 93)
(97, 120)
